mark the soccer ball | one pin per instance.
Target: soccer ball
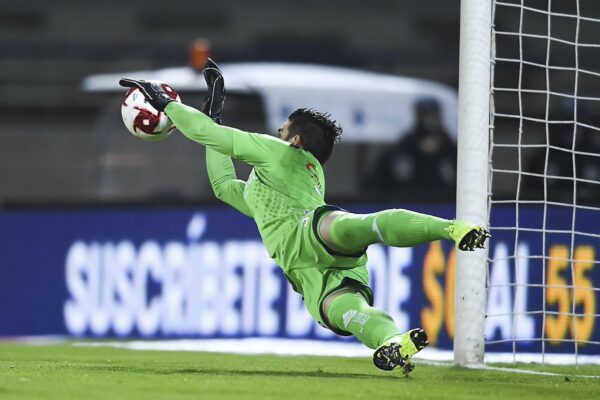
(143, 120)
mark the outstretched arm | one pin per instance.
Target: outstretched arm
(221, 142)
(224, 182)
(253, 148)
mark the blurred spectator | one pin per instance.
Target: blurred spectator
(556, 160)
(422, 164)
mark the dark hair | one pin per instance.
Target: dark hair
(318, 132)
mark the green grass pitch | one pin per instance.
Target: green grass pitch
(63, 371)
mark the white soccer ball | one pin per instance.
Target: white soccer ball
(143, 120)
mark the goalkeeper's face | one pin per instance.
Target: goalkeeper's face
(284, 134)
(311, 131)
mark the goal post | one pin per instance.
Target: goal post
(472, 176)
(529, 169)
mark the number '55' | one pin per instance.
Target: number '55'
(561, 297)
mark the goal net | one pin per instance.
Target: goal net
(543, 278)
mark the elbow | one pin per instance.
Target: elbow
(220, 193)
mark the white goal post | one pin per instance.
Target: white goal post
(472, 176)
(529, 168)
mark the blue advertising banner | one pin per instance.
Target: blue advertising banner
(203, 272)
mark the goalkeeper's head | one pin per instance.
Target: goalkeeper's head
(312, 131)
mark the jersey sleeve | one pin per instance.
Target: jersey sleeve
(224, 182)
(252, 148)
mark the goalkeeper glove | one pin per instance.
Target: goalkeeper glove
(154, 92)
(212, 105)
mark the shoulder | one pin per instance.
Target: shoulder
(266, 138)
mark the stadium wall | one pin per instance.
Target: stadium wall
(203, 273)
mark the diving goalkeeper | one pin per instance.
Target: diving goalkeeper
(320, 248)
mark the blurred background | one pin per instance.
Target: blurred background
(61, 144)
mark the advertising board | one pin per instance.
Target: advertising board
(204, 273)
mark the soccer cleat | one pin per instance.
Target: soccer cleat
(397, 351)
(467, 235)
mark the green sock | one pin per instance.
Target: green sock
(350, 312)
(352, 233)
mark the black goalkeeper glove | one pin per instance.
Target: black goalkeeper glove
(153, 91)
(212, 105)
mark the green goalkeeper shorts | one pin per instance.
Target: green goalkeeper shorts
(319, 271)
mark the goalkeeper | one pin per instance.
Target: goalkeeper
(320, 248)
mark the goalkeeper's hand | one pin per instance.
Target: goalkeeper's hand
(153, 91)
(212, 105)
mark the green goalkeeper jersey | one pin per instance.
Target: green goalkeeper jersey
(285, 185)
(284, 194)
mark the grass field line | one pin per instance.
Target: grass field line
(532, 372)
(286, 347)
(432, 363)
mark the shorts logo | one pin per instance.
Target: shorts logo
(305, 222)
